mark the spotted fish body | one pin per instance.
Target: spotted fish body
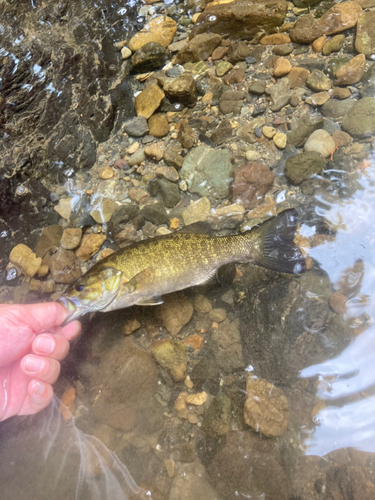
(144, 271)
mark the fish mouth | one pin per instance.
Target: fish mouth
(71, 307)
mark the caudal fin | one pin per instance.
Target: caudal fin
(277, 250)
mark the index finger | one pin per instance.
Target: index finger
(46, 315)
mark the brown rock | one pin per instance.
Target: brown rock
(317, 45)
(297, 77)
(241, 19)
(90, 245)
(186, 136)
(176, 312)
(365, 36)
(130, 326)
(231, 101)
(338, 302)
(199, 48)
(341, 138)
(282, 67)
(171, 355)
(50, 238)
(160, 30)
(340, 93)
(71, 238)
(238, 51)
(138, 195)
(235, 76)
(155, 151)
(340, 17)
(25, 259)
(306, 30)
(250, 184)
(173, 156)
(333, 44)
(148, 101)
(275, 39)
(64, 266)
(266, 407)
(169, 173)
(182, 89)
(351, 72)
(318, 81)
(318, 99)
(106, 173)
(158, 125)
(219, 53)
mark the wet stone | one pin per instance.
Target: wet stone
(197, 211)
(365, 35)
(301, 167)
(333, 45)
(275, 39)
(238, 51)
(303, 128)
(169, 173)
(121, 216)
(235, 76)
(71, 238)
(103, 209)
(176, 312)
(136, 127)
(342, 138)
(202, 304)
(282, 67)
(223, 67)
(222, 133)
(50, 238)
(336, 109)
(64, 266)
(318, 99)
(228, 217)
(199, 48)
(306, 30)
(318, 44)
(151, 56)
(106, 173)
(159, 30)
(155, 151)
(137, 158)
(340, 93)
(258, 87)
(218, 315)
(173, 156)
(318, 81)
(340, 17)
(266, 407)
(321, 142)
(250, 184)
(280, 140)
(283, 50)
(171, 355)
(351, 72)
(192, 484)
(218, 417)
(148, 101)
(280, 94)
(186, 136)
(360, 119)
(90, 245)
(231, 101)
(25, 259)
(164, 190)
(64, 208)
(158, 125)
(182, 89)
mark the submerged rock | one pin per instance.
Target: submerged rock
(64, 266)
(25, 259)
(136, 127)
(301, 167)
(365, 35)
(321, 142)
(176, 312)
(148, 101)
(149, 57)
(71, 238)
(50, 238)
(90, 245)
(351, 72)
(199, 48)
(250, 184)
(218, 417)
(360, 119)
(159, 30)
(171, 355)
(340, 17)
(196, 211)
(182, 89)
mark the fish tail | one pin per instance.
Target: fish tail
(275, 246)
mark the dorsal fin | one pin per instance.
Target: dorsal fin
(198, 227)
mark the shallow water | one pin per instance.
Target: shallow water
(287, 331)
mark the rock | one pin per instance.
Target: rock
(218, 417)
(148, 101)
(197, 399)
(321, 142)
(228, 217)
(122, 216)
(359, 122)
(176, 312)
(250, 184)
(306, 30)
(155, 213)
(171, 355)
(223, 67)
(231, 102)
(25, 259)
(130, 326)
(90, 245)
(218, 315)
(158, 125)
(202, 304)
(149, 57)
(138, 195)
(275, 39)
(71, 238)
(173, 156)
(340, 93)
(342, 138)
(159, 30)
(266, 407)
(137, 158)
(365, 35)
(340, 17)
(191, 484)
(280, 140)
(125, 53)
(50, 238)
(164, 190)
(268, 132)
(64, 266)
(334, 64)
(297, 77)
(301, 167)
(186, 136)
(338, 302)
(197, 211)
(103, 209)
(257, 472)
(351, 72)
(282, 50)
(136, 127)
(199, 48)
(333, 45)
(318, 44)
(222, 133)
(169, 173)
(238, 51)
(318, 81)
(64, 208)
(335, 109)
(303, 128)
(280, 94)
(282, 67)
(241, 19)
(125, 383)
(257, 87)
(155, 151)
(207, 171)
(106, 173)
(318, 99)
(182, 89)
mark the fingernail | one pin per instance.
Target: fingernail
(37, 388)
(45, 344)
(34, 364)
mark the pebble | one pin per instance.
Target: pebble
(180, 402)
(218, 315)
(202, 304)
(223, 67)
(103, 209)
(321, 142)
(169, 173)
(130, 326)
(351, 72)
(158, 125)
(297, 77)
(282, 67)
(171, 355)
(136, 127)
(338, 302)
(318, 99)
(342, 138)
(302, 166)
(176, 312)
(71, 238)
(250, 184)
(155, 151)
(148, 101)
(48, 286)
(133, 148)
(90, 245)
(340, 17)
(333, 45)
(266, 407)
(160, 29)
(280, 140)
(125, 53)
(365, 34)
(137, 158)
(182, 90)
(64, 208)
(106, 173)
(275, 39)
(318, 81)
(197, 399)
(64, 266)
(25, 259)
(318, 44)
(188, 382)
(197, 211)
(359, 121)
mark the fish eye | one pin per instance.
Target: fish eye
(79, 288)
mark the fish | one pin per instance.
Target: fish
(141, 273)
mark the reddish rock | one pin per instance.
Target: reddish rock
(306, 30)
(340, 17)
(250, 184)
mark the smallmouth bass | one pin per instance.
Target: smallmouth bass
(144, 271)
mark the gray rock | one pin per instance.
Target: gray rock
(368, 80)
(335, 109)
(208, 172)
(218, 417)
(136, 127)
(359, 122)
(258, 87)
(321, 142)
(222, 133)
(173, 156)
(318, 81)
(155, 213)
(280, 94)
(121, 216)
(334, 64)
(303, 128)
(365, 36)
(231, 101)
(182, 89)
(164, 190)
(300, 167)
(151, 56)
(330, 126)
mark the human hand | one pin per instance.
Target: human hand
(32, 343)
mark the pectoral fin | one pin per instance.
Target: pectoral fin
(139, 280)
(150, 301)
